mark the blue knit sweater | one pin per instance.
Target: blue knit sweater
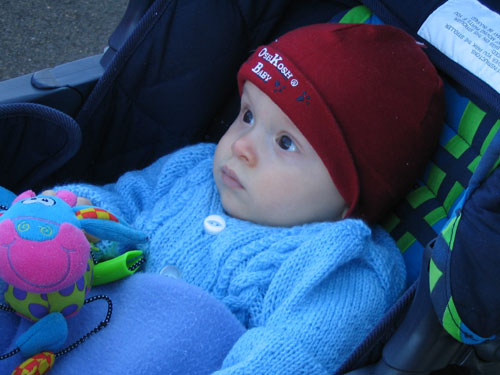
(307, 294)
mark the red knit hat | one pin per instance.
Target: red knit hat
(366, 97)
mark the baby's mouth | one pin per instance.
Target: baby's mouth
(230, 179)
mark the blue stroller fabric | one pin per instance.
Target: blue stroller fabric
(171, 78)
(35, 141)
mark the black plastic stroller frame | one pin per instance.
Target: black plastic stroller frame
(65, 87)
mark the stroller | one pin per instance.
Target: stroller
(96, 118)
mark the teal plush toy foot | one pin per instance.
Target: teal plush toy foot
(6, 198)
(48, 334)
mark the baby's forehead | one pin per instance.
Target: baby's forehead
(263, 105)
(270, 115)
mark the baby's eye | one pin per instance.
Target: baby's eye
(248, 117)
(286, 143)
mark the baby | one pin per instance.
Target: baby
(276, 221)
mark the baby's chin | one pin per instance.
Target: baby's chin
(264, 220)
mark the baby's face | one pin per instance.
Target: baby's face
(267, 172)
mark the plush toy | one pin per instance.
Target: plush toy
(45, 259)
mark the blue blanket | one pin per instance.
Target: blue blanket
(159, 325)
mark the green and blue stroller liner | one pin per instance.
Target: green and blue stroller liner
(454, 207)
(463, 274)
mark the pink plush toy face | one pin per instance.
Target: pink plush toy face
(42, 247)
(43, 266)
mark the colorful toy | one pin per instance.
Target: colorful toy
(45, 258)
(37, 365)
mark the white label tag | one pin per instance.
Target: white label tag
(468, 33)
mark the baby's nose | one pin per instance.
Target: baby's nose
(245, 150)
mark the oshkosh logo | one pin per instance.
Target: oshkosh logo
(276, 61)
(257, 69)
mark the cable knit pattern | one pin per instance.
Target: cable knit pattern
(307, 294)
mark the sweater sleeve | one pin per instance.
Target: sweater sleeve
(138, 191)
(321, 304)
